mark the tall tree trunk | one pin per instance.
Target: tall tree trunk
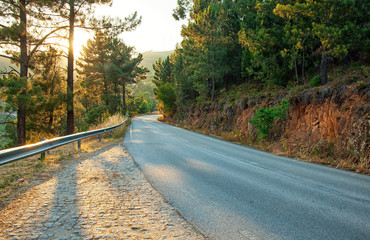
(51, 94)
(124, 98)
(213, 76)
(70, 112)
(296, 70)
(303, 67)
(105, 91)
(323, 72)
(213, 88)
(116, 94)
(21, 114)
(51, 122)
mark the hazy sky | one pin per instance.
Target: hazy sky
(158, 31)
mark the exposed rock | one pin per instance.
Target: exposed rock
(306, 97)
(325, 92)
(338, 117)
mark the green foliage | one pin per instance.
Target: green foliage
(264, 118)
(106, 66)
(225, 44)
(11, 135)
(164, 80)
(315, 81)
(167, 99)
(265, 43)
(44, 96)
(137, 105)
(324, 149)
(145, 107)
(163, 72)
(96, 115)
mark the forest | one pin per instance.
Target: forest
(229, 47)
(48, 91)
(250, 46)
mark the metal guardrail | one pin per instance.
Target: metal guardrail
(17, 153)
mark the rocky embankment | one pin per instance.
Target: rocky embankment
(328, 125)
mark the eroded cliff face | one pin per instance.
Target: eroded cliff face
(330, 123)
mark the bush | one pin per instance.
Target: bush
(167, 98)
(10, 135)
(315, 81)
(264, 118)
(96, 115)
(135, 105)
(144, 107)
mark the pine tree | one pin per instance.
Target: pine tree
(92, 71)
(76, 11)
(163, 72)
(337, 25)
(106, 67)
(47, 96)
(21, 36)
(124, 68)
(208, 42)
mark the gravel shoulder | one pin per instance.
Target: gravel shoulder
(104, 196)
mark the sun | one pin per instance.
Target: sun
(80, 39)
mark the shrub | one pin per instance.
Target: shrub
(315, 81)
(264, 118)
(167, 99)
(96, 115)
(144, 107)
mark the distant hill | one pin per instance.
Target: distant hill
(5, 63)
(149, 58)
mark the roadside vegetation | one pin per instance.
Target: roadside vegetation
(50, 92)
(252, 47)
(239, 54)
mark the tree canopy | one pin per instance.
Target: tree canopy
(29, 34)
(277, 42)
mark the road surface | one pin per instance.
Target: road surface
(228, 191)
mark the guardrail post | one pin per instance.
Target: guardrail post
(111, 133)
(99, 137)
(79, 144)
(42, 156)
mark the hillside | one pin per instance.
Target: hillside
(151, 57)
(326, 124)
(146, 86)
(5, 63)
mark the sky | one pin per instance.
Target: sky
(158, 31)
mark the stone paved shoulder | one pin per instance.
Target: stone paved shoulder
(103, 197)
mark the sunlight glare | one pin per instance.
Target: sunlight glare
(80, 39)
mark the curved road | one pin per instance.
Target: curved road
(229, 191)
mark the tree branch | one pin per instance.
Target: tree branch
(10, 43)
(13, 4)
(14, 70)
(8, 122)
(5, 120)
(80, 6)
(44, 38)
(11, 58)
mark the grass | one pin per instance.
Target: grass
(110, 121)
(33, 171)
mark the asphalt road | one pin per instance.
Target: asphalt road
(229, 191)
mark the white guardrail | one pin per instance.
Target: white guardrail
(17, 153)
